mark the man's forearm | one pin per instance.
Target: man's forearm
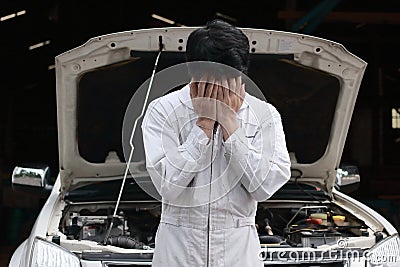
(207, 125)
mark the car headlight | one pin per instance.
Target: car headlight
(49, 254)
(385, 253)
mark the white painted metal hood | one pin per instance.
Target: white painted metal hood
(86, 121)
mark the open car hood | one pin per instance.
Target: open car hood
(313, 82)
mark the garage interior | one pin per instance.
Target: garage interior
(34, 32)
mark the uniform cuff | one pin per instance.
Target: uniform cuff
(196, 143)
(231, 145)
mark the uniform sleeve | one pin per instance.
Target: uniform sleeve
(263, 165)
(172, 165)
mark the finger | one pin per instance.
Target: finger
(201, 86)
(225, 85)
(215, 90)
(239, 84)
(210, 87)
(193, 89)
(220, 93)
(233, 86)
(226, 98)
(242, 91)
(239, 80)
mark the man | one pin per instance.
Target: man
(213, 151)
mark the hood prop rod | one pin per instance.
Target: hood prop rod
(161, 46)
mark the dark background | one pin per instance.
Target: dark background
(28, 130)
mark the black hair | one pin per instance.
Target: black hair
(218, 41)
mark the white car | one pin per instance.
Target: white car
(88, 221)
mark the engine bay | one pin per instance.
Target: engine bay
(132, 228)
(282, 224)
(308, 226)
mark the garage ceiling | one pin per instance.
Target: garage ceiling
(34, 32)
(39, 30)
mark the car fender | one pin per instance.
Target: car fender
(22, 255)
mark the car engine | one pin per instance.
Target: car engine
(278, 224)
(307, 226)
(132, 228)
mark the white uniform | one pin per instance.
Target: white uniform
(210, 189)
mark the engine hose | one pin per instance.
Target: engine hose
(126, 242)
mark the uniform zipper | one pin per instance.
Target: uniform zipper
(209, 195)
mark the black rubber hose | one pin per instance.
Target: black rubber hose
(125, 242)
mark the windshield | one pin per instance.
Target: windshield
(305, 97)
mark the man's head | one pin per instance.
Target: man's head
(218, 41)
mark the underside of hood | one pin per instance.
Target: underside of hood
(313, 82)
